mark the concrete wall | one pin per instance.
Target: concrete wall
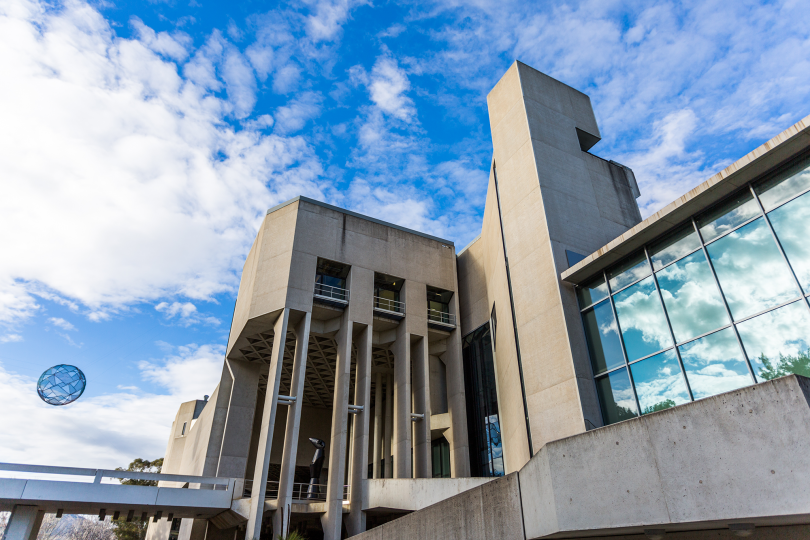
(418, 493)
(739, 457)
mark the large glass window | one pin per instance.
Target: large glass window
(751, 271)
(726, 321)
(616, 397)
(483, 423)
(778, 342)
(642, 321)
(603, 338)
(659, 382)
(691, 297)
(715, 364)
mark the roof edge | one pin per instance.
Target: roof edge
(359, 216)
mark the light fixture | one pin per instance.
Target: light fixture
(655, 534)
(742, 529)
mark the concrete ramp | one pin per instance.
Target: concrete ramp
(727, 462)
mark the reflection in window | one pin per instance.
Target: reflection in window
(715, 364)
(781, 188)
(691, 297)
(751, 271)
(778, 342)
(629, 271)
(483, 425)
(616, 397)
(659, 382)
(791, 223)
(440, 453)
(641, 318)
(603, 338)
(678, 244)
(592, 291)
(728, 215)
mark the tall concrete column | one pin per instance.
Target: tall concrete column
(240, 385)
(421, 405)
(281, 524)
(388, 437)
(358, 474)
(24, 523)
(457, 405)
(332, 521)
(402, 403)
(254, 526)
(378, 416)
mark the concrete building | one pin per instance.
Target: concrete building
(472, 394)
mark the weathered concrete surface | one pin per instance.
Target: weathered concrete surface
(739, 457)
(490, 511)
(416, 494)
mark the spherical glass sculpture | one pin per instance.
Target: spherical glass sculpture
(61, 385)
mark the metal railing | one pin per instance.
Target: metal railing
(392, 306)
(183, 481)
(441, 317)
(332, 293)
(300, 491)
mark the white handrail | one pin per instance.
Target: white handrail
(333, 293)
(441, 317)
(107, 473)
(386, 304)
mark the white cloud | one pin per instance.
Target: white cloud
(326, 23)
(186, 312)
(388, 85)
(108, 430)
(61, 323)
(10, 338)
(147, 183)
(294, 116)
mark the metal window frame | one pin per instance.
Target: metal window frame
(802, 296)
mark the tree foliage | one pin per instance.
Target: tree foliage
(660, 406)
(136, 529)
(787, 365)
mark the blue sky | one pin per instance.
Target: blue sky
(141, 144)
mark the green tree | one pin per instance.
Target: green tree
(136, 529)
(787, 365)
(660, 406)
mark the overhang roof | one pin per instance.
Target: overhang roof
(776, 151)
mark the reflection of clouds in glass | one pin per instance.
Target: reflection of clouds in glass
(616, 396)
(784, 331)
(792, 225)
(771, 194)
(681, 243)
(659, 379)
(751, 271)
(641, 317)
(633, 269)
(731, 214)
(691, 297)
(714, 364)
(592, 292)
(602, 335)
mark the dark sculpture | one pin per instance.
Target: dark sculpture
(315, 468)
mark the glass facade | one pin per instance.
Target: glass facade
(483, 423)
(718, 303)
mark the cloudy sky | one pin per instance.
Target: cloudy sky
(141, 144)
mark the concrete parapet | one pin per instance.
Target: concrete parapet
(736, 458)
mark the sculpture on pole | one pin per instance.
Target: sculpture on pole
(315, 468)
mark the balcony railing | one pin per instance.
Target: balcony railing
(392, 306)
(300, 491)
(329, 292)
(441, 317)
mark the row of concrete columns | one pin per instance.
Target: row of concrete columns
(403, 398)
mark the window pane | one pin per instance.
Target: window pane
(629, 271)
(715, 364)
(616, 397)
(691, 297)
(592, 291)
(751, 271)
(659, 382)
(603, 338)
(682, 242)
(727, 216)
(791, 223)
(777, 190)
(641, 318)
(777, 342)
